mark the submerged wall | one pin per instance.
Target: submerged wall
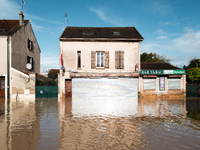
(22, 85)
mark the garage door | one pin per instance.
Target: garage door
(117, 97)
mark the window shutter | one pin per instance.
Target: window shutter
(122, 60)
(28, 44)
(106, 59)
(93, 59)
(116, 59)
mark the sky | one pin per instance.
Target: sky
(170, 28)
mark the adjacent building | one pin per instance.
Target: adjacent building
(157, 79)
(20, 58)
(93, 59)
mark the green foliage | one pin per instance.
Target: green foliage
(153, 57)
(53, 76)
(193, 63)
(194, 74)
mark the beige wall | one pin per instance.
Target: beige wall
(22, 83)
(3, 56)
(69, 51)
(166, 92)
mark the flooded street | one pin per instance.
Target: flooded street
(100, 124)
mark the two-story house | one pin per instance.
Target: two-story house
(99, 61)
(19, 59)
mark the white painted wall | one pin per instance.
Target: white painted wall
(3, 56)
(69, 51)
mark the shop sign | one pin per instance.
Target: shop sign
(161, 72)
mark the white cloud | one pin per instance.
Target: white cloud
(179, 50)
(161, 37)
(174, 23)
(49, 61)
(9, 9)
(160, 32)
(106, 16)
(188, 43)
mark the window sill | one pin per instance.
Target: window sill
(100, 67)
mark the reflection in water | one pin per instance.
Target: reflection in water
(154, 124)
(100, 124)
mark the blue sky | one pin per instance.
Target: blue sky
(170, 28)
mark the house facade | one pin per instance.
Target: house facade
(93, 58)
(20, 58)
(162, 79)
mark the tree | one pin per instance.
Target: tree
(193, 71)
(193, 63)
(153, 57)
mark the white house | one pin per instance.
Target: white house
(99, 61)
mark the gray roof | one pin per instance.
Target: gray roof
(101, 34)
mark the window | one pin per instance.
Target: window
(174, 84)
(100, 59)
(79, 59)
(119, 59)
(30, 45)
(149, 84)
(31, 62)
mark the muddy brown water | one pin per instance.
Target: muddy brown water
(74, 124)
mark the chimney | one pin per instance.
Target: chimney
(21, 18)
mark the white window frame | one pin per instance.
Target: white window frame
(100, 52)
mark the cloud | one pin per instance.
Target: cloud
(161, 37)
(49, 61)
(32, 17)
(106, 16)
(179, 50)
(9, 9)
(189, 42)
(174, 23)
(160, 32)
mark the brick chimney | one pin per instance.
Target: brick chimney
(21, 18)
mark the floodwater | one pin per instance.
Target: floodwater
(74, 124)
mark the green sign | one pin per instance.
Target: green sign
(161, 72)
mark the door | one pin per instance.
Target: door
(2, 87)
(68, 88)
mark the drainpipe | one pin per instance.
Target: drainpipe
(8, 67)
(139, 67)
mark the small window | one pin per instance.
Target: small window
(87, 33)
(100, 59)
(30, 61)
(79, 59)
(116, 33)
(30, 45)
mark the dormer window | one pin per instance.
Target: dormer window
(30, 44)
(116, 33)
(87, 33)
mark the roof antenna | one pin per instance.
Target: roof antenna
(66, 19)
(22, 4)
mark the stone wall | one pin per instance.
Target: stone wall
(20, 49)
